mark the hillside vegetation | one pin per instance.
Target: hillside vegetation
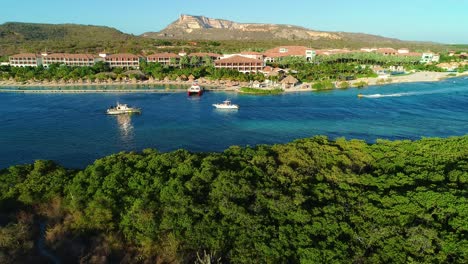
(29, 37)
(309, 201)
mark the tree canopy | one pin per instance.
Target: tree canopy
(309, 201)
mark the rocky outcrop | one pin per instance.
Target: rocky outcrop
(201, 27)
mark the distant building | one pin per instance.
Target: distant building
(403, 51)
(429, 57)
(77, 60)
(387, 51)
(333, 51)
(240, 63)
(368, 49)
(288, 51)
(123, 60)
(25, 60)
(163, 58)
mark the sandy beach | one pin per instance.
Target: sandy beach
(142, 86)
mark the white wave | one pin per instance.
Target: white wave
(385, 95)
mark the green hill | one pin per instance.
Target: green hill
(30, 37)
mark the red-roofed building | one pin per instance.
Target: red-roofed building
(123, 60)
(68, 59)
(163, 58)
(25, 60)
(387, 51)
(240, 63)
(287, 51)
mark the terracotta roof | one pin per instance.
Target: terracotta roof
(25, 55)
(289, 80)
(122, 56)
(163, 55)
(69, 56)
(203, 54)
(291, 51)
(238, 59)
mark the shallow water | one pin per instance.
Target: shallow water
(74, 130)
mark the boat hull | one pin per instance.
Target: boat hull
(198, 93)
(120, 112)
(230, 107)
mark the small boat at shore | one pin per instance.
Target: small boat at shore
(226, 104)
(122, 109)
(195, 89)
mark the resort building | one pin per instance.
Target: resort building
(164, 58)
(365, 49)
(123, 60)
(403, 51)
(78, 60)
(387, 51)
(287, 51)
(25, 60)
(240, 63)
(429, 57)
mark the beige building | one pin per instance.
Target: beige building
(287, 51)
(77, 60)
(240, 63)
(163, 58)
(25, 60)
(123, 60)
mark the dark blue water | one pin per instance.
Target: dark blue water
(73, 129)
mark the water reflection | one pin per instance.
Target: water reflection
(125, 127)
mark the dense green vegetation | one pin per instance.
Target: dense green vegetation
(249, 90)
(101, 72)
(309, 201)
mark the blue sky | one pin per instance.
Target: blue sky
(426, 20)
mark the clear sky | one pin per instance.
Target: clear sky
(443, 21)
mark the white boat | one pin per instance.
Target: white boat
(122, 109)
(195, 89)
(226, 105)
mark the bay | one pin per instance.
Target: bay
(74, 130)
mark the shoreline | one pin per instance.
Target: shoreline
(126, 87)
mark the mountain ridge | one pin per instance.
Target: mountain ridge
(189, 26)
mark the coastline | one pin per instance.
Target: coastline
(141, 86)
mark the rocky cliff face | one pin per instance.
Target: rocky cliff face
(200, 27)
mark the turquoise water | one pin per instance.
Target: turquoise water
(74, 130)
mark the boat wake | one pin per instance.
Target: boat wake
(386, 95)
(440, 91)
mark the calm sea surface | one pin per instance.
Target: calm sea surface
(74, 130)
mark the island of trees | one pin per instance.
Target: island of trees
(309, 201)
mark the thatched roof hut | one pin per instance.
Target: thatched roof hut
(289, 80)
(166, 79)
(183, 77)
